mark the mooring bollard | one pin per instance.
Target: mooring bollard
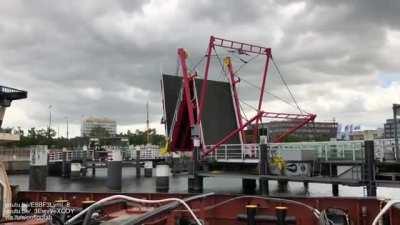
(114, 169)
(148, 168)
(162, 178)
(38, 167)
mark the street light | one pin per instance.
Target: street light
(396, 112)
(67, 126)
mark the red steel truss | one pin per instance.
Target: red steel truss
(194, 114)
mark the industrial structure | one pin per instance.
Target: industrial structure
(90, 123)
(316, 131)
(7, 95)
(205, 117)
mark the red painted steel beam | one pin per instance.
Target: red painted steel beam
(260, 101)
(240, 46)
(231, 134)
(228, 64)
(311, 117)
(205, 79)
(182, 55)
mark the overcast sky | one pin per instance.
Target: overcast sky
(103, 58)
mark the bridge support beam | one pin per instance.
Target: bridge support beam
(38, 168)
(114, 170)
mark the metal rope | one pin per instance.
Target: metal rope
(284, 82)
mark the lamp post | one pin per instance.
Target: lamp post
(67, 127)
(49, 131)
(396, 110)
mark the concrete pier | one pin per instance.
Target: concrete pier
(162, 178)
(148, 168)
(38, 167)
(114, 170)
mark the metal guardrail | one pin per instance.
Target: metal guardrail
(235, 152)
(328, 151)
(146, 153)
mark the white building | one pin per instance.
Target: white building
(90, 123)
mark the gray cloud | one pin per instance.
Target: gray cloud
(104, 58)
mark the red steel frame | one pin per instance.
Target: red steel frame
(233, 82)
(186, 85)
(241, 48)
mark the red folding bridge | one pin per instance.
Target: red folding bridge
(191, 99)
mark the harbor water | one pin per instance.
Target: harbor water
(178, 184)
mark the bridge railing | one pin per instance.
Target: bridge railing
(235, 152)
(59, 156)
(330, 150)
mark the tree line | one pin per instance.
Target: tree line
(41, 136)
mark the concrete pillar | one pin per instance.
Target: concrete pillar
(282, 186)
(138, 169)
(162, 178)
(38, 167)
(249, 186)
(148, 168)
(114, 170)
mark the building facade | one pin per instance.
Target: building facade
(318, 131)
(366, 135)
(389, 128)
(90, 123)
